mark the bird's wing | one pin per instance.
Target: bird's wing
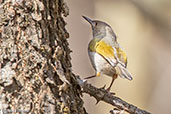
(121, 55)
(115, 56)
(111, 54)
(122, 64)
(106, 51)
(121, 67)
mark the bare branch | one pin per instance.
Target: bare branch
(103, 95)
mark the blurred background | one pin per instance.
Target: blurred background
(143, 29)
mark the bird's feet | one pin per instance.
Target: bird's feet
(90, 77)
(105, 91)
(108, 89)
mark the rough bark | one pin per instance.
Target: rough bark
(35, 68)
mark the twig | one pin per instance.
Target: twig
(103, 95)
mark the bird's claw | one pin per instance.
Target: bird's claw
(108, 89)
(112, 93)
(103, 87)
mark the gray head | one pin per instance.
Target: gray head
(100, 29)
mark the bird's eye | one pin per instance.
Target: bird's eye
(95, 24)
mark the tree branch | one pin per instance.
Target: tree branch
(103, 95)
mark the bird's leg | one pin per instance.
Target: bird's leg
(113, 78)
(97, 74)
(108, 89)
(90, 77)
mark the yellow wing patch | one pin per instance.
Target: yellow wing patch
(102, 48)
(122, 55)
(105, 50)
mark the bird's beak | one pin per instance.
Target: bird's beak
(88, 19)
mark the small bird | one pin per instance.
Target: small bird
(105, 53)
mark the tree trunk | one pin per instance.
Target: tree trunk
(35, 67)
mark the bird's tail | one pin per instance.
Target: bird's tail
(123, 72)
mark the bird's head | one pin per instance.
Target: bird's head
(100, 29)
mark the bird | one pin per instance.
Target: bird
(105, 53)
